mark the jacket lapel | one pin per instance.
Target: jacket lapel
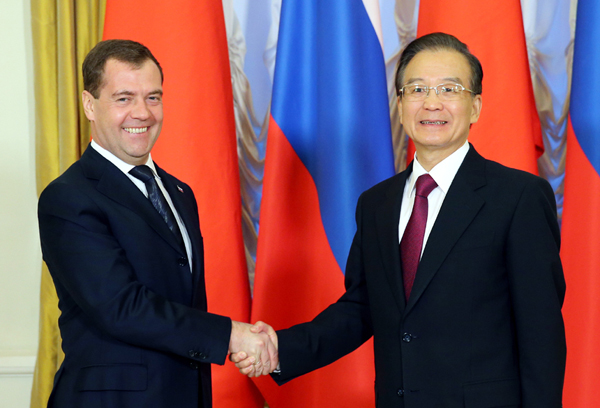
(182, 199)
(117, 186)
(460, 207)
(182, 205)
(387, 219)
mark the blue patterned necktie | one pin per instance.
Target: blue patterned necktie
(156, 197)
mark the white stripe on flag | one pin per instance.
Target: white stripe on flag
(372, 7)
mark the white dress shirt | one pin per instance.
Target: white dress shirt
(443, 174)
(126, 168)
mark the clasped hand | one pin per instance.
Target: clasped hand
(253, 348)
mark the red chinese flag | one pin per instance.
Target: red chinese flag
(198, 145)
(508, 130)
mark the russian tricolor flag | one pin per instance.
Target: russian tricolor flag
(329, 139)
(581, 215)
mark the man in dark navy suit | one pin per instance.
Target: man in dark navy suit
(454, 269)
(121, 238)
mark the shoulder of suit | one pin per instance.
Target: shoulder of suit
(494, 169)
(68, 194)
(499, 170)
(382, 191)
(79, 177)
(383, 186)
(72, 176)
(508, 181)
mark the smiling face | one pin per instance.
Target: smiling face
(438, 128)
(127, 117)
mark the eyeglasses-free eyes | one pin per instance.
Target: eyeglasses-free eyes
(446, 92)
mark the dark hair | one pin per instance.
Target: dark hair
(439, 42)
(126, 51)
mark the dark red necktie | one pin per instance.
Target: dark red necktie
(412, 240)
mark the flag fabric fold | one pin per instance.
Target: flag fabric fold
(508, 130)
(329, 140)
(581, 216)
(198, 145)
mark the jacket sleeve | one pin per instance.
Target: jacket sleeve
(537, 289)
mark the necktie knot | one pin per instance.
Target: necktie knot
(143, 173)
(425, 185)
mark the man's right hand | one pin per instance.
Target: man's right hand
(253, 348)
(247, 363)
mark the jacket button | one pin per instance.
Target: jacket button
(191, 353)
(401, 393)
(406, 338)
(194, 365)
(182, 261)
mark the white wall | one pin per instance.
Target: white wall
(20, 258)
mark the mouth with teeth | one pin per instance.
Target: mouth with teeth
(136, 130)
(433, 122)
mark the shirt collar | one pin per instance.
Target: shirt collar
(443, 173)
(120, 164)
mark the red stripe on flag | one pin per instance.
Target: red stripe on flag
(581, 263)
(198, 145)
(297, 277)
(508, 130)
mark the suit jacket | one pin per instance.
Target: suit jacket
(483, 325)
(133, 318)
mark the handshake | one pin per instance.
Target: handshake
(253, 348)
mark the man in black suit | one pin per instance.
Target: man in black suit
(461, 287)
(121, 238)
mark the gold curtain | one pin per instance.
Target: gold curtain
(63, 33)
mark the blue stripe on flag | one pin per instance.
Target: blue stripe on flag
(585, 85)
(330, 100)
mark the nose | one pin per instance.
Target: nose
(432, 100)
(140, 110)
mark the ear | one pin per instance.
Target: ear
(399, 101)
(476, 108)
(88, 104)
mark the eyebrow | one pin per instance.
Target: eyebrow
(123, 93)
(447, 79)
(453, 79)
(129, 93)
